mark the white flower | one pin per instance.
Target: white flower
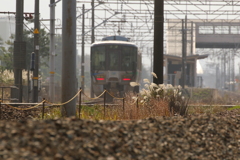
(146, 81)
(180, 93)
(179, 87)
(162, 86)
(133, 84)
(146, 86)
(145, 97)
(159, 89)
(143, 92)
(169, 86)
(134, 98)
(174, 92)
(158, 96)
(154, 85)
(149, 94)
(151, 87)
(183, 97)
(154, 75)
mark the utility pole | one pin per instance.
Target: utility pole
(217, 76)
(69, 79)
(36, 51)
(184, 52)
(233, 70)
(19, 56)
(52, 50)
(229, 70)
(93, 25)
(82, 63)
(224, 70)
(93, 40)
(191, 38)
(158, 41)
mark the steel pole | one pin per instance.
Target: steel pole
(92, 40)
(183, 55)
(93, 25)
(182, 70)
(69, 79)
(52, 51)
(158, 41)
(19, 38)
(36, 50)
(82, 62)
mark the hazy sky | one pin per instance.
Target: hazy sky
(10, 6)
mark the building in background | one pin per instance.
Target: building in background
(7, 27)
(174, 52)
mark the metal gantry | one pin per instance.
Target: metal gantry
(135, 18)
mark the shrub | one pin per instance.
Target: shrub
(173, 96)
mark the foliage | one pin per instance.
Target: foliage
(51, 113)
(95, 112)
(202, 95)
(201, 109)
(6, 55)
(6, 78)
(166, 93)
(6, 60)
(232, 108)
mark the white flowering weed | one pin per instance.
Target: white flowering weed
(173, 95)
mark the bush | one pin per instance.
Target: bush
(161, 93)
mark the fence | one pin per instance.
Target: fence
(46, 103)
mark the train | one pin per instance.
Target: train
(115, 62)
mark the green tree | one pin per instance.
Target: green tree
(6, 55)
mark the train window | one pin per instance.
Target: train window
(98, 58)
(113, 46)
(113, 52)
(129, 58)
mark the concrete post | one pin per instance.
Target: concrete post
(52, 51)
(36, 50)
(69, 79)
(18, 38)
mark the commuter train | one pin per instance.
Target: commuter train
(115, 62)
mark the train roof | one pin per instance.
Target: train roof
(116, 38)
(114, 42)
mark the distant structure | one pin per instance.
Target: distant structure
(7, 24)
(173, 55)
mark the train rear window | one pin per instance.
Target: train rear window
(114, 57)
(129, 58)
(113, 54)
(98, 58)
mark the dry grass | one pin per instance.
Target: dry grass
(131, 110)
(128, 112)
(169, 104)
(200, 109)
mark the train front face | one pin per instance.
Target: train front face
(113, 66)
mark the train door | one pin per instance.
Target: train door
(113, 56)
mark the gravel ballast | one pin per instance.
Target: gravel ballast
(196, 137)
